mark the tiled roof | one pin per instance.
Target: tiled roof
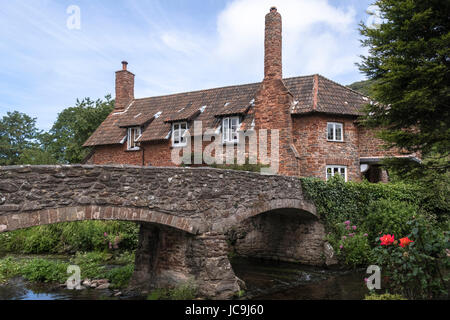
(311, 94)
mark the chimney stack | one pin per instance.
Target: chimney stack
(273, 46)
(124, 87)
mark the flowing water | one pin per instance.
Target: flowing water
(266, 280)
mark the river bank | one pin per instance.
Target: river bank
(266, 280)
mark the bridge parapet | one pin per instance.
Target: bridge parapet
(204, 199)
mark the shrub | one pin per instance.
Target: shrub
(119, 277)
(9, 268)
(42, 270)
(71, 237)
(91, 264)
(416, 270)
(351, 244)
(389, 216)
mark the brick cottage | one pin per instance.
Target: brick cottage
(317, 120)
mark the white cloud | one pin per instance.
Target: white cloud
(45, 67)
(316, 35)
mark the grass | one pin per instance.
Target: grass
(92, 265)
(186, 291)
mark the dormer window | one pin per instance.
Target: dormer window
(335, 131)
(178, 134)
(230, 127)
(133, 135)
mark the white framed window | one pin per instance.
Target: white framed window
(132, 135)
(230, 127)
(335, 131)
(178, 134)
(336, 170)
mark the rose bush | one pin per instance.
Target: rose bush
(415, 269)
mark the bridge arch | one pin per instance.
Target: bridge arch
(23, 220)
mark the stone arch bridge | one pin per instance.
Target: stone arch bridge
(189, 217)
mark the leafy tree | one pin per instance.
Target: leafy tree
(365, 87)
(74, 126)
(18, 133)
(36, 156)
(409, 60)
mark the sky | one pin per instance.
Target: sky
(55, 51)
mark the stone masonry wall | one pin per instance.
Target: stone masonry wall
(166, 258)
(205, 199)
(281, 236)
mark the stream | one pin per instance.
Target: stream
(265, 280)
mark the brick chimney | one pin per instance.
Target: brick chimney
(273, 101)
(124, 87)
(273, 46)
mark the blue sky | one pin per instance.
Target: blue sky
(171, 46)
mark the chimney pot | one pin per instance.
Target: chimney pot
(124, 87)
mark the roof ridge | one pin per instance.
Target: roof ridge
(344, 87)
(216, 88)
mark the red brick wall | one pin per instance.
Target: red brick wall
(157, 155)
(308, 134)
(370, 146)
(116, 154)
(316, 152)
(124, 89)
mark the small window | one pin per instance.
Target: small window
(178, 134)
(230, 127)
(335, 131)
(133, 135)
(335, 170)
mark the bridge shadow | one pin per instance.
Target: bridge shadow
(284, 234)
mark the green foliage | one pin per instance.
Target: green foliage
(9, 268)
(74, 126)
(351, 244)
(186, 291)
(371, 208)
(36, 156)
(71, 237)
(91, 264)
(124, 258)
(43, 270)
(18, 133)
(388, 216)
(364, 87)
(385, 296)
(120, 277)
(338, 201)
(408, 58)
(158, 294)
(435, 185)
(417, 271)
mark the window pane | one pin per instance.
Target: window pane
(339, 132)
(330, 131)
